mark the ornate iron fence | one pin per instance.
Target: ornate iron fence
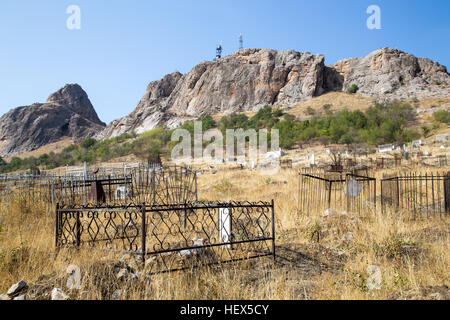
(172, 237)
(417, 195)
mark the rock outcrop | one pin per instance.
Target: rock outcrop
(389, 73)
(245, 80)
(67, 113)
(252, 78)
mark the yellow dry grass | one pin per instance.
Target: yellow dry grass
(413, 255)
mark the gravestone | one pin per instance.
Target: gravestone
(122, 193)
(353, 189)
(97, 192)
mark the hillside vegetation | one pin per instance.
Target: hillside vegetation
(379, 124)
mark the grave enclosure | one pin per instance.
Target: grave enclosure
(149, 211)
(343, 192)
(171, 237)
(415, 196)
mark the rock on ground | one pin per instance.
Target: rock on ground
(17, 288)
(74, 279)
(58, 294)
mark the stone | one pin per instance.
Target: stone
(17, 289)
(184, 253)
(116, 295)
(349, 236)
(436, 296)
(123, 274)
(74, 279)
(130, 260)
(150, 260)
(374, 280)
(4, 297)
(68, 113)
(58, 294)
(198, 242)
(329, 212)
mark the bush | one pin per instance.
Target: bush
(426, 131)
(89, 142)
(442, 116)
(352, 89)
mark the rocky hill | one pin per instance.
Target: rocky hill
(68, 113)
(252, 78)
(390, 73)
(248, 79)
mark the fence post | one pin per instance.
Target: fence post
(196, 194)
(57, 226)
(53, 188)
(398, 193)
(78, 230)
(143, 233)
(447, 192)
(185, 214)
(329, 194)
(273, 230)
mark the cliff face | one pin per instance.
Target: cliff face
(252, 78)
(67, 113)
(246, 80)
(389, 73)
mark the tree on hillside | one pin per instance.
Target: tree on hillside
(148, 150)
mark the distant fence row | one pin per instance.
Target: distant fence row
(415, 195)
(144, 184)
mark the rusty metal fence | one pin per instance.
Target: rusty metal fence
(147, 184)
(341, 192)
(417, 195)
(172, 237)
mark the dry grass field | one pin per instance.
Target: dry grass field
(413, 256)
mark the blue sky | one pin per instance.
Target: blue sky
(123, 45)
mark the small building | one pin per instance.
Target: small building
(386, 148)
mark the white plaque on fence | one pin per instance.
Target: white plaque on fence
(225, 225)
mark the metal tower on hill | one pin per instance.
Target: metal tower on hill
(219, 52)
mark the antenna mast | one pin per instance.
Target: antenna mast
(219, 52)
(241, 42)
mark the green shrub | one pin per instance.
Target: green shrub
(352, 89)
(89, 142)
(442, 116)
